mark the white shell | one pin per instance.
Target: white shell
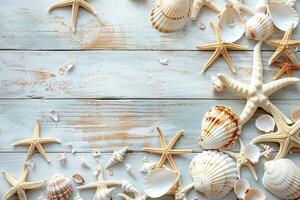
(105, 194)
(281, 178)
(295, 116)
(259, 27)
(159, 182)
(231, 25)
(220, 128)
(265, 123)
(252, 153)
(78, 178)
(217, 85)
(283, 15)
(62, 158)
(59, 188)
(117, 157)
(214, 174)
(53, 115)
(163, 61)
(255, 194)
(240, 188)
(96, 153)
(84, 164)
(128, 187)
(148, 167)
(170, 15)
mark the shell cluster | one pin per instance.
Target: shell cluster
(59, 188)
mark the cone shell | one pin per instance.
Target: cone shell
(220, 128)
(282, 178)
(259, 27)
(214, 174)
(59, 188)
(170, 15)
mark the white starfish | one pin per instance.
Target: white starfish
(237, 4)
(257, 93)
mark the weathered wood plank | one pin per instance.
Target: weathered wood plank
(123, 74)
(111, 125)
(28, 25)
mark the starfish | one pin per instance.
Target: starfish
(220, 50)
(166, 151)
(198, 4)
(19, 186)
(286, 67)
(284, 46)
(237, 4)
(75, 8)
(286, 136)
(36, 143)
(257, 93)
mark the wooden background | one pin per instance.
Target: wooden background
(118, 92)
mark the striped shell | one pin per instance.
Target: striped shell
(59, 188)
(259, 27)
(220, 128)
(170, 15)
(282, 178)
(214, 174)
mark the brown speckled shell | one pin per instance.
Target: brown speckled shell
(59, 188)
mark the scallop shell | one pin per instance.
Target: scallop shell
(281, 178)
(159, 182)
(220, 128)
(240, 188)
(255, 194)
(265, 123)
(283, 15)
(252, 153)
(231, 25)
(59, 188)
(170, 15)
(259, 27)
(295, 116)
(117, 157)
(214, 174)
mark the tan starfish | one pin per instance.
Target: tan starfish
(19, 186)
(286, 136)
(75, 8)
(257, 93)
(284, 46)
(198, 4)
(36, 143)
(220, 49)
(237, 4)
(286, 67)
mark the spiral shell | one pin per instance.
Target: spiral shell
(128, 187)
(59, 188)
(220, 128)
(282, 178)
(259, 27)
(117, 157)
(105, 194)
(214, 174)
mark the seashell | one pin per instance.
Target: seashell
(252, 153)
(265, 123)
(170, 15)
(159, 182)
(217, 85)
(220, 128)
(84, 164)
(96, 153)
(41, 197)
(62, 158)
(78, 178)
(78, 197)
(240, 188)
(105, 194)
(261, 6)
(295, 116)
(71, 147)
(163, 61)
(30, 163)
(268, 151)
(53, 115)
(259, 27)
(283, 15)
(148, 167)
(255, 194)
(281, 178)
(214, 174)
(129, 170)
(59, 188)
(128, 187)
(231, 25)
(117, 157)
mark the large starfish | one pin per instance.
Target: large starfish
(237, 4)
(220, 49)
(19, 186)
(198, 4)
(75, 8)
(36, 143)
(284, 46)
(286, 136)
(286, 67)
(257, 93)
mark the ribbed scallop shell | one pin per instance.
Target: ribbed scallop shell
(214, 174)
(59, 188)
(255, 194)
(220, 128)
(170, 15)
(252, 152)
(259, 27)
(282, 178)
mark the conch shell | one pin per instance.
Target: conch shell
(117, 157)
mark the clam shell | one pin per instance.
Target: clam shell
(295, 116)
(283, 15)
(214, 174)
(259, 27)
(255, 194)
(220, 128)
(265, 123)
(170, 15)
(59, 188)
(252, 152)
(281, 178)
(159, 182)
(78, 178)
(240, 188)
(231, 25)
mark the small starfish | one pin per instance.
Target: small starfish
(19, 186)
(286, 136)
(284, 46)
(286, 67)
(198, 4)
(257, 93)
(36, 143)
(75, 8)
(237, 4)
(166, 151)
(220, 50)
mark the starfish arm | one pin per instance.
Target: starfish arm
(30, 151)
(270, 137)
(9, 193)
(124, 196)
(98, 184)
(174, 139)
(24, 173)
(208, 47)
(23, 142)
(288, 34)
(280, 73)
(289, 73)
(248, 112)
(9, 178)
(154, 150)
(295, 67)
(211, 60)
(33, 185)
(252, 170)
(173, 164)
(217, 32)
(291, 55)
(21, 194)
(294, 43)
(276, 55)
(274, 43)
(282, 121)
(274, 86)
(180, 151)
(233, 46)
(60, 4)
(161, 161)
(228, 60)
(283, 149)
(232, 154)
(49, 140)
(257, 69)
(36, 132)
(161, 137)
(238, 169)
(241, 89)
(74, 18)
(87, 6)
(213, 6)
(42, 151)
